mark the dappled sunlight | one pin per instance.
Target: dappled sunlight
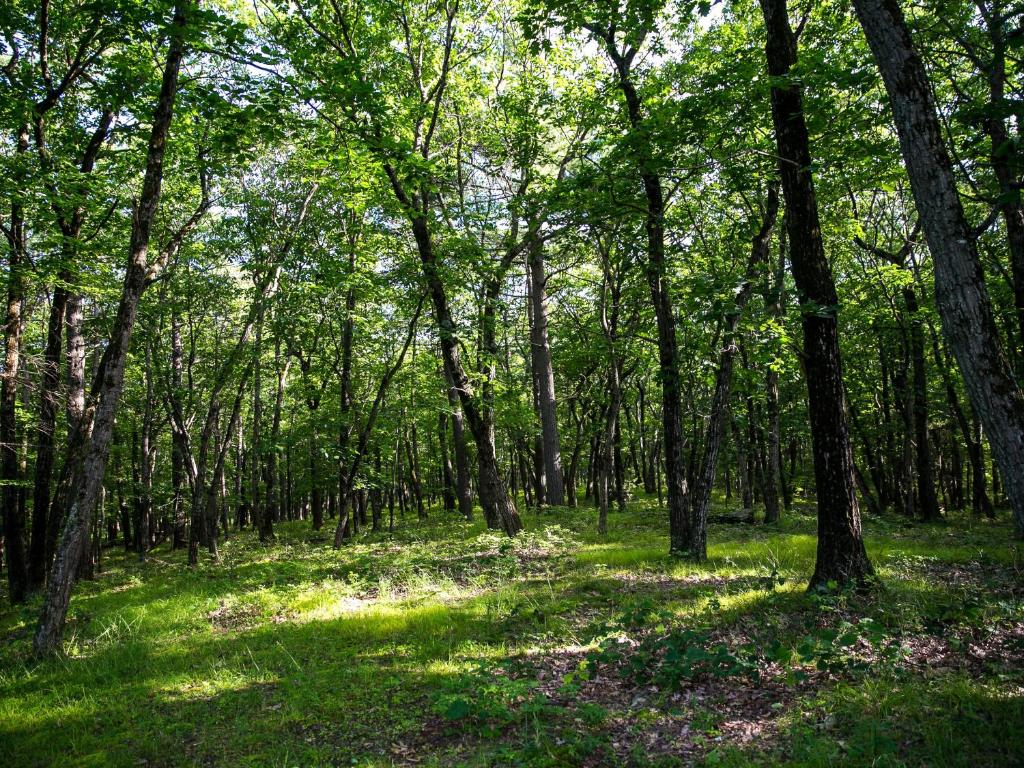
(274, 655)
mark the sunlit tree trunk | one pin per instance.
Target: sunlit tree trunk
(110, 377)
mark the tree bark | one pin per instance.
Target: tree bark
(841, 557)
(701, 499)
(961, 296)
(49, 396)
(491, 483)
(540, 353)
(463, 480)
(683, 539)
(110, 377)
(10, 466)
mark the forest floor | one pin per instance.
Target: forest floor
(444, 644)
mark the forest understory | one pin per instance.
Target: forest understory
(444, 644)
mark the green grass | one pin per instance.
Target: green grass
(445, 644)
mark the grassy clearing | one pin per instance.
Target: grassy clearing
(443, 644)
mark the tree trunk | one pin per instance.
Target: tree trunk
(10, 467)
(927, 503)
(683, 540)
(463, 480)
(701, 500)
(110, 377)
(960, 291)
(491, 484)
(540, 354)
(447, 471)
(841, 558)
(273, 506)
(49, 396)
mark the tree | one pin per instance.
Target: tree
(960, 289)
(841, 557)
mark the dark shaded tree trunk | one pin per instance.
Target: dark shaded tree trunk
(273, 506)
(447, 471)
(10, 466)
(491, 484)
(540, 354)
(463, 480)
(705, 480)
(178, 445)
(49, 396)
(683, 540)
(927, 502)
(841, 557)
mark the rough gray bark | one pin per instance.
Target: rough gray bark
(961, 296)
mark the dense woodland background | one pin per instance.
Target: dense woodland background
(363, 264)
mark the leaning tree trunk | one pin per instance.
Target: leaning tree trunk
(961, 295)
(109, 382)
(841, 557)
(701, 501)
(492, 487)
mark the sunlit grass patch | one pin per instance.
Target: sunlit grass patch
(298, 654)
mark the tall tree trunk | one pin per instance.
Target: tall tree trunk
(841, 557)
(259, 512)
(273, 506)
(447, 471)
(345, 463)
(491, 484)
(178, 447)
(463, 480)
(412, 459)
(701, 501)
(1003, 156)
(961, 295)
(49, 396)
(980, 503)
(147, 450)
(927, 502)
(683, 538)
(540, 354)
(10, 467)
(110, 377)
(70, 220)
(316, 499)
(78, 430)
